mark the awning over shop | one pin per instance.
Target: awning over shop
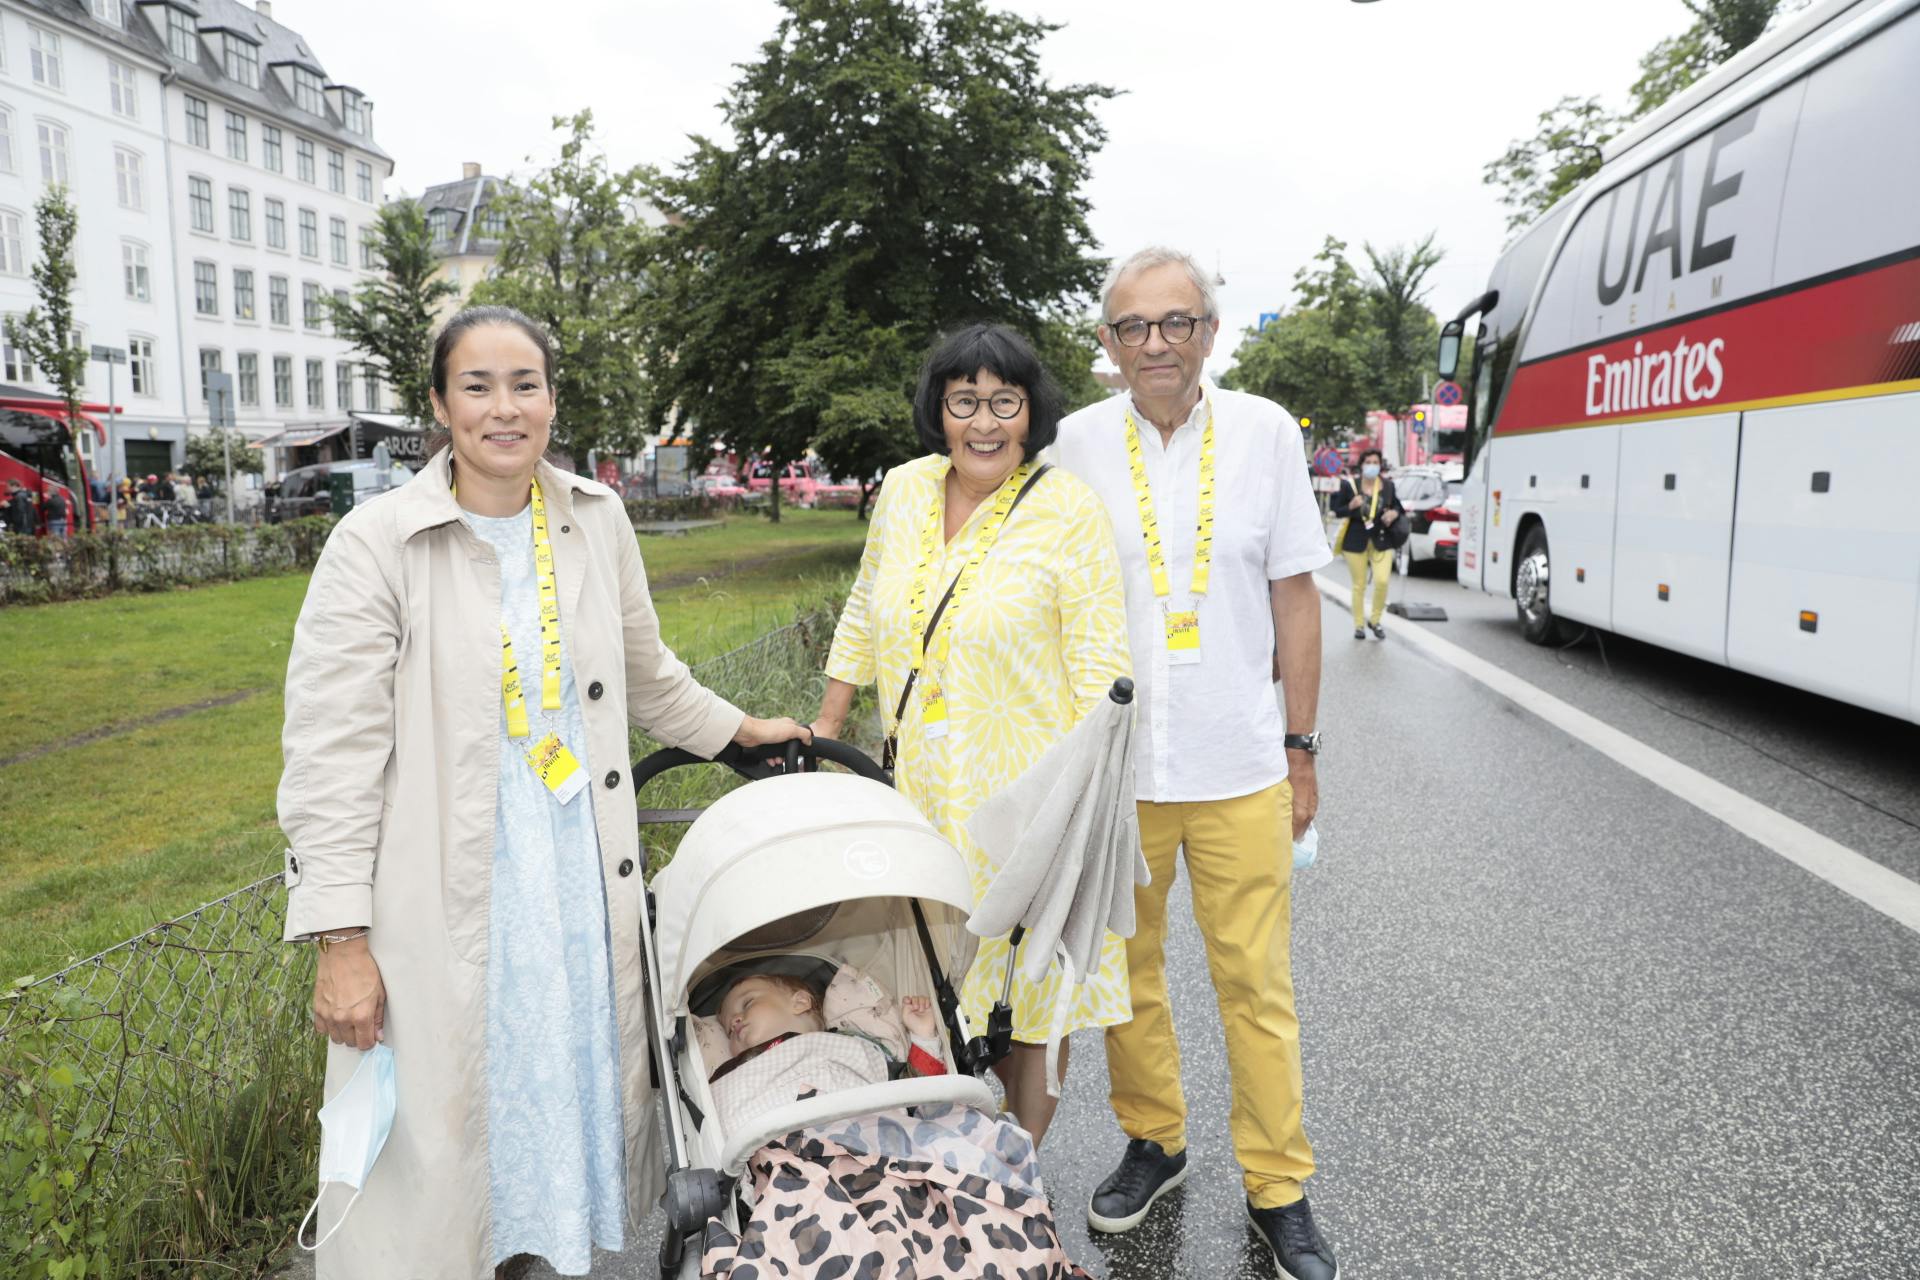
(406, 441)
(299, 437)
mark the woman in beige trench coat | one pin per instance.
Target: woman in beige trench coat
(393, 747)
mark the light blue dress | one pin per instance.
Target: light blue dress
(553, 1058)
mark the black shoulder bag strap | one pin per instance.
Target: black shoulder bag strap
(890, 749)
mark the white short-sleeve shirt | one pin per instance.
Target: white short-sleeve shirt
(1213, 729)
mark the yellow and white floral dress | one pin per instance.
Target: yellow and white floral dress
(1040, 637)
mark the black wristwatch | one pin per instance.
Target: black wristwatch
(1307, 742)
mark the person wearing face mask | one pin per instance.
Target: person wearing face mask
(463, 849)
(989, 610)
(1369, 506)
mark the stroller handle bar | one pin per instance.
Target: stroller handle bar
(797, 756)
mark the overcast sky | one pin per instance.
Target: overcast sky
(1248, 129)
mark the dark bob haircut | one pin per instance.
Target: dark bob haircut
(1008, 357)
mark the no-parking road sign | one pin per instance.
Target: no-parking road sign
(1448, 393)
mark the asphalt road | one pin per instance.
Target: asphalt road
(1558, 1022)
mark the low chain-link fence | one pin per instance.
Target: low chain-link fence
(33, 570)
(164, 1090)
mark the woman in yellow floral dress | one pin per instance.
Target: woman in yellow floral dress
(1034, 635)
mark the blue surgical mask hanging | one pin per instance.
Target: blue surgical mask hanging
(1306, 848)
(353, 1127)
(1369, 469)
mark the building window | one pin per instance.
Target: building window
(209, 363)
(354, 112)
(6, 140)
(493, 222)
(307, 94)
(44, 47)
(340, 300)
(316, 384)
(14, 365)
(200, 204)
(440, 223)
(133, 261)
(236, 135)
(53, 152)
(309, 234)
(242, 61)
(120, 89)
(283, 381)
(310, 305)
(12, 261)
(107, 11)
(363, 180)
(369, 250)
(276, 224)
(336, 172)
(303, 159)
(279, 303)
(198, 132)
(343, 386)
(371, 377)
(248, 391)
(239, 213)
(270, 146)
(337, 238)
(140, 365)
(206, 289)
(127, 178)
(242, 294)
(183, 42)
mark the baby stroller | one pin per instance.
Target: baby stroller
(801, 870)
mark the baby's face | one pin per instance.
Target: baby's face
(756, 1010)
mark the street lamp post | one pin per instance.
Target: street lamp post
(110, 356)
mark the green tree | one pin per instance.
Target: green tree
(391, 319)
(1303, 362)
(1405, 333)
(574, 257)
(208, 452)
(895, 169)
(46, 335)
(1721, 28)
(1564, 152)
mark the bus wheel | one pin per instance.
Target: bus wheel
(1532, 594)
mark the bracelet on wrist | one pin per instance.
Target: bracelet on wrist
(326, 940)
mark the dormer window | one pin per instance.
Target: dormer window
(441, 223)
(107, 11)
(307, 92)
(242, 61)
(354, 111)
(183, 42)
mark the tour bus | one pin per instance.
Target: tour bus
(35, 456)
(1695, 400)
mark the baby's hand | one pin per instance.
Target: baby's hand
(917, 1013)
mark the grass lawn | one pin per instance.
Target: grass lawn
(101, 838)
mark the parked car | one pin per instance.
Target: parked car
(1431, 496)
(308, 491)
(797, 483)
(720, 487)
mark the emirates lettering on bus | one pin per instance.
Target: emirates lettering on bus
(1688, 372)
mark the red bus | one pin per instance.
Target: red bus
(37, 453)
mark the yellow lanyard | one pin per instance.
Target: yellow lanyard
(1150, 526)
(930, 550)
(1373, 507)
(511, 695)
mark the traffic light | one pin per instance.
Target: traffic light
(1306, 424)
(1420, 415)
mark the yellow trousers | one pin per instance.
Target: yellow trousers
(1239, 855)
(1358, 562)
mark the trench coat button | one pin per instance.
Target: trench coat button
(566, 528)
(613, 779)
(595, 689)
(626, 867)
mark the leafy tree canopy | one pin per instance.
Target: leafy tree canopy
(895, 169)
(391, 319)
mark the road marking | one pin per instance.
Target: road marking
(1885, 890)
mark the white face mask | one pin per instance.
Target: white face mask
(353, 1128)
(1306, 848)
(1370, 470)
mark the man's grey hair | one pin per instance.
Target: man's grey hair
(1146, 259)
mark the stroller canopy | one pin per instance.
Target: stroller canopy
(776, 849)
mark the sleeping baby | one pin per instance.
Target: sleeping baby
(783, 1049)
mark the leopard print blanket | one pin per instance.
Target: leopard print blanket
(950, 1192)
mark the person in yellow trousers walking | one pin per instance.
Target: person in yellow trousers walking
(1219, 536)
(1368, 506)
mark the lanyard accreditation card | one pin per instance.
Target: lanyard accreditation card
(558, 768)
(1183, 626)
(930, 651)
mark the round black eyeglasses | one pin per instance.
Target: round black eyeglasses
(1175, 329)
(1002, 404)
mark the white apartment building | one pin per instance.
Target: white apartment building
(259, 177)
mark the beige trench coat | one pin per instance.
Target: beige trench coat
(392, 750)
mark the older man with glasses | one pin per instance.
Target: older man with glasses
(1219, 537)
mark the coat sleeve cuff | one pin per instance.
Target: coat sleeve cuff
(316, 908)
(722, 721)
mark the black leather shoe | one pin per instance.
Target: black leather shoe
(1299, 1250)
(1359, 633)
(1145, 1174)
(1379, 632)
